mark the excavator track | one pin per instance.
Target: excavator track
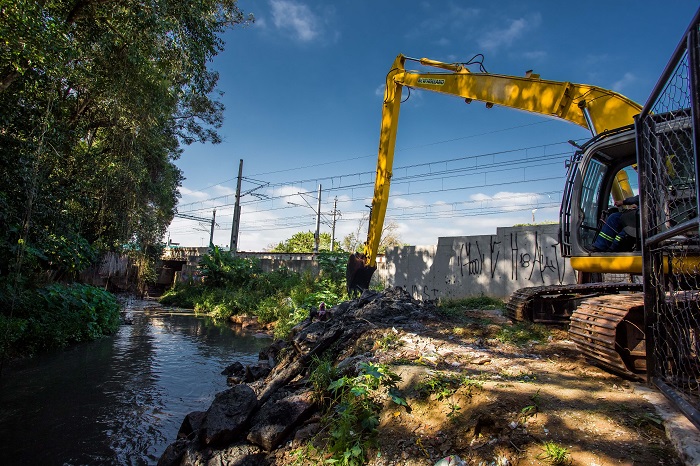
(609, 332)
(555, 304)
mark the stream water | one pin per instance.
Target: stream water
(119, 400)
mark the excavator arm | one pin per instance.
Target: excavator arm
(588, 106)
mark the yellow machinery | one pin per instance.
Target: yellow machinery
(607, 318)
(591, 107)
(654, 334)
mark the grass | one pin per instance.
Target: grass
(442, 385)
(456, 307)
(522, 333)
(555, 454)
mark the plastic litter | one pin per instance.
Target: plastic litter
(452, 460)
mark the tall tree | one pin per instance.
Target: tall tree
(96, 99)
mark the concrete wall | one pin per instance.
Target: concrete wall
(490, 265)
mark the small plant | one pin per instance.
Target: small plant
(442, 385)
(454, 411)
(531, 410)
(555, 454)
(355, 416)
(389, 341)
(321, 377)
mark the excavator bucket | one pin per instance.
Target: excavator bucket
(358, 274)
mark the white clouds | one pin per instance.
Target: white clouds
(622, 83)
(535, 55)
(198, 195)
(401, 203)
(515, 29)
(379, 91)
(508, 201)
(296, 19)
(224, 190)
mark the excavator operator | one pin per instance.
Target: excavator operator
(619, 229)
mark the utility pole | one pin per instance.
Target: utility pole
(211, 232)
(335, 211)
(317, 235)
(236, 211)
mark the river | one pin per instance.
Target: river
(119, 400)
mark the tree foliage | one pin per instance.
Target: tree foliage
(96, 99)
(303, 242)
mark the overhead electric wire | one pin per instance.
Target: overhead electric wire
(514, 165)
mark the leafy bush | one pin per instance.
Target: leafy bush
(220, 268)
(238, 286)
(56, 316)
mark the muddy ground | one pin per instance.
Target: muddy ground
(497, 402)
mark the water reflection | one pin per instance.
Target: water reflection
(119, 400)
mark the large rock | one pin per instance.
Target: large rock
(279, 417)
(172, 456)
(227, 416)
(191, 424)
(241, 454)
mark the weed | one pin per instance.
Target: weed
(442, 385)
(555, 454)
(532, 409)
(454, 308)
(454, 411)
(389, 341)
(522, 333)
(648, 419)
(321, 376)
(355, 416)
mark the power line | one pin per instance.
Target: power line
(452, 171)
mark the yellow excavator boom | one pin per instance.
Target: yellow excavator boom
(588, 106)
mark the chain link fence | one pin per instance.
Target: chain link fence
(667, 140)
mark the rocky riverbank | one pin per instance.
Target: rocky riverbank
(455, 386)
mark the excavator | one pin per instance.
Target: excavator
(605, 313)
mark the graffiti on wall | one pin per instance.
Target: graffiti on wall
(536, 261)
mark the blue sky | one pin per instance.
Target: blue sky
(303, 89)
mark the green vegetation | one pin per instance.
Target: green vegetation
(96, 100)
(304, 242)
(56, 316)
(555, 454)
(454, 308)
(442, 385)
(354, 413)
(522, 333)
(238, 286)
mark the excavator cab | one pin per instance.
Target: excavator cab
(605, 170)
(601, 172)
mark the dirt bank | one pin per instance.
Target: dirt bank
(476, 386)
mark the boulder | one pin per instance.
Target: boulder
(227, 416)
(240, 454)
(172, 456)
(191, 424)
(279, 417)
(236, 369)
(258, 371)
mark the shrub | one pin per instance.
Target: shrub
(58, 315)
